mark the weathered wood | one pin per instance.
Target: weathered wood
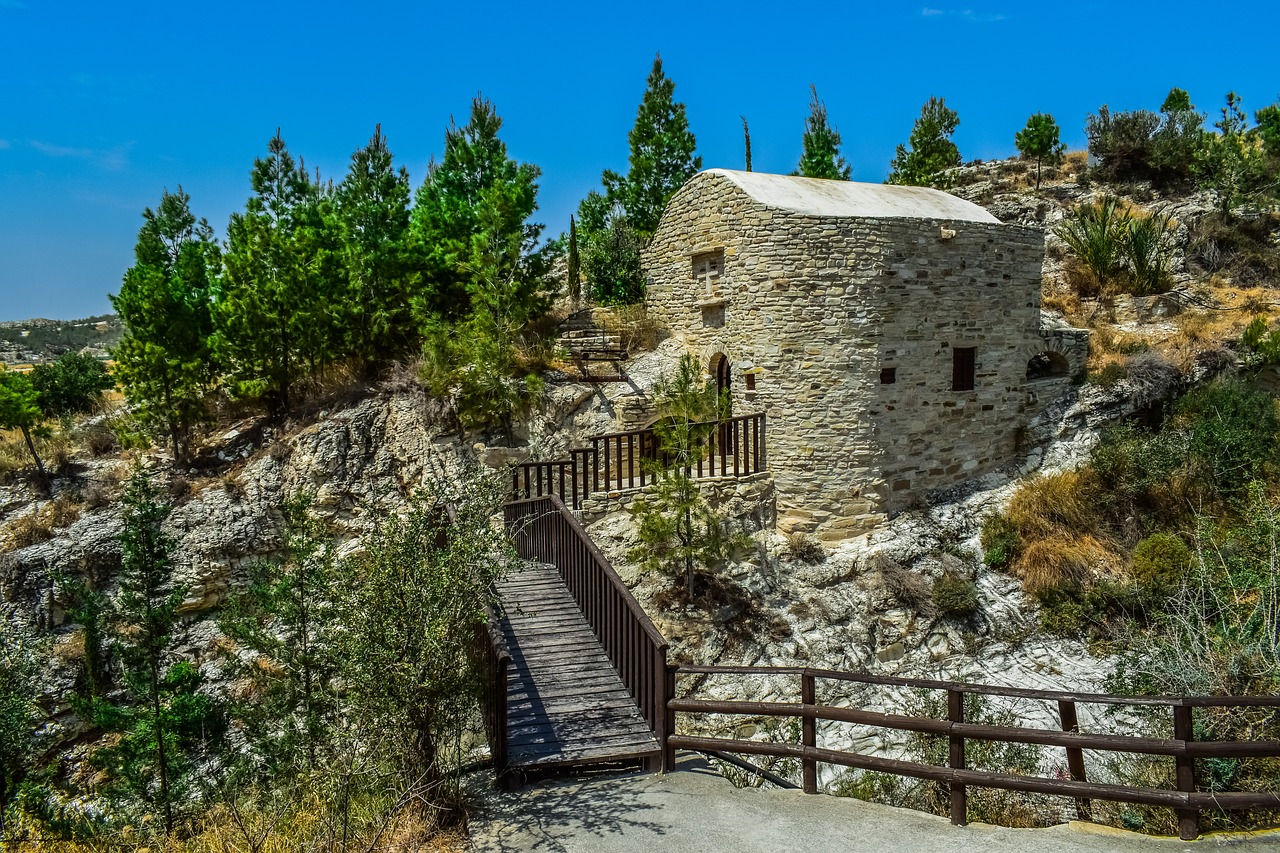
(565, 702)
(1075, 757)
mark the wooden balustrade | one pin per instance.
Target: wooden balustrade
(545, 530)
(1186, 800)
(495, 664)
(616, 461)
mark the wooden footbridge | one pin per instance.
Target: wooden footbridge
(580, 678)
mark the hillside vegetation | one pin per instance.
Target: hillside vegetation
(323, 698)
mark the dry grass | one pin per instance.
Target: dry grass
(1057, 504)
(38, 526)
(1061, 562)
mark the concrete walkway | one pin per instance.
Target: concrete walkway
(695, 810)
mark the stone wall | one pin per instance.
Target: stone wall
(813, 309)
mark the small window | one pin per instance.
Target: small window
(707, 270)
(888, 375)
(962, 363)
(751, 382)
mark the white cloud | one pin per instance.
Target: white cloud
(966, 14)
(111, 159)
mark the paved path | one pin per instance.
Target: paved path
(695, 810)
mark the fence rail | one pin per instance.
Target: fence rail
(1186, 800)
(624, 460)
(496, 665)
(546, 531)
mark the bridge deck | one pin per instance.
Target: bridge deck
(566, 705)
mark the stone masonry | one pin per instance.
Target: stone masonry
(837, 309)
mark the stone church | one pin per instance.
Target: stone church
(892, 335)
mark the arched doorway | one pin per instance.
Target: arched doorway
(1047, 365)
(720, 364)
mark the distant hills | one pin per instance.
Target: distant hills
(38, 340)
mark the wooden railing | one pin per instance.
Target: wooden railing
(1186, 800)
(545, 530)
(494, 666)
(734, 447)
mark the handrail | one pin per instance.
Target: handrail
(492, 647)
(545, 530)
(734, 447)
(1186, 800)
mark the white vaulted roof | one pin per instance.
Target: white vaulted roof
(817, 197)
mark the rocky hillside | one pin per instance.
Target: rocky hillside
(870, 603)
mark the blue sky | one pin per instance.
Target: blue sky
(103, 105)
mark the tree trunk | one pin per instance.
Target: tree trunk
(31, 446)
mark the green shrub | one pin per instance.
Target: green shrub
(1160, 564)
(1232, 432)
(1148, 251)
(955, 596)
(1096, 235)
(1111, 374)
(1000, 541)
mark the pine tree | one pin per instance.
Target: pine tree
(1039, 139)
(746, 141)
(1230, 164)
(371, 208)
(486, 277)
(164, 363)
(661, 159)
(678, 530)
(167, 715)
(267, 298)
(821, 155)
(288, 619)
(932, 152)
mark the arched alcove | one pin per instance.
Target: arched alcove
(1047, 365)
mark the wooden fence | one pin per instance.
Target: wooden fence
(545, 530)
(495, 665)
(1186, 800)
(734, 447)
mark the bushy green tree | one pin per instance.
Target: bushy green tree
(166, 716)
(371, 212)
(164, 363)
(415, 598)
(1177, 140)
(573, 265)
(1121, 142)
(662, 155)
(1039, 141)
(20, 410)
(678, 530)
(932, 152)
(820, 157)
(71, 385)
(612, 262)
(287, 619)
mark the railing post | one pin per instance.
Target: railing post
(809, 730)
(1185, 765)
(1075, 756)
(668, 718)
(955, 759)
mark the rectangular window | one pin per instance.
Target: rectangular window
(962, 362)
(888, 375)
